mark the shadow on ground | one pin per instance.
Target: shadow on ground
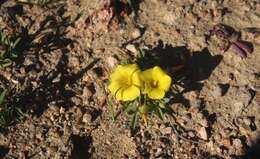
(50, 36)
(81, 147)
(187, 69)
(3, 151)
(253, 152)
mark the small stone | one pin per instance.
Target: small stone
(191, 134)
(237, 143)
(52, 150)
(39, 136)
(210, 145)
(167, 130)
(158, 152)
(86, 118)
(132, 48)
(100, 95)
(136, 33)
(112, 62)
(217, 137)
(204, 122)
(52, 118)
(226, 142)
(246, 125)
(14, 81)
(74, 61)
(57, 78)
(217, 92)
(238, 147)
(202, 133)
(62, 110)
(194, 110)
(86, 94)
(6, 75)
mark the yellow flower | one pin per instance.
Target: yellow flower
(156, 82)
(125, 82)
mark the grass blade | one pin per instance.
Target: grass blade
(111, 110)
(134, 120)
(2, 97)
(160, 113)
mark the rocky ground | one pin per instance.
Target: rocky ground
(68, 49)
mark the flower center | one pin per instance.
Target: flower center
(126, 82)
(154, 84)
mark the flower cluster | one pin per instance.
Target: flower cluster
(128, 82)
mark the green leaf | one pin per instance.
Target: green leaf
(16, 42)
(20, 114)
(146, 108)
(129, 108)
(134, 120)
(125, 62)
(141, 53)
(2, 54)
(160, 113)
(6, 62)
(166, 100)
(2, 97)
(111, 110)
(13, 55)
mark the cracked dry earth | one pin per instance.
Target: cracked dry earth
(69, 49)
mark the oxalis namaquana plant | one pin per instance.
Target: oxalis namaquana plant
(140, 92)
(8, 49)
(9, 114)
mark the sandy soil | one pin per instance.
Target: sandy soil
(69, 48)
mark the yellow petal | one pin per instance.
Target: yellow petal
(119, 94)
(130, 68)
(125, 82)
(129, 93)
(136, 79)
(114, 86)
(147, 74)
(162, 77)
(146, 77)
(118, 74)
(158, 73)
(156, 94)
(165, 83)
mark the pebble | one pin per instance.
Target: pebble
(191, 134)
(204, 122)
(165, 130)
(245, 125)
(86, 94)
(217, 137)
(62, 110)
(132, 48)
(217, 92)
(111, 62)
(237, 143)
(86, 118)
(158, 152)
(39, 136)
(203, 133)
(136, 33)
(226, 142)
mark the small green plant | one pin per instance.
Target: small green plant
(9, 114)
(7, 50)
(140, 92)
